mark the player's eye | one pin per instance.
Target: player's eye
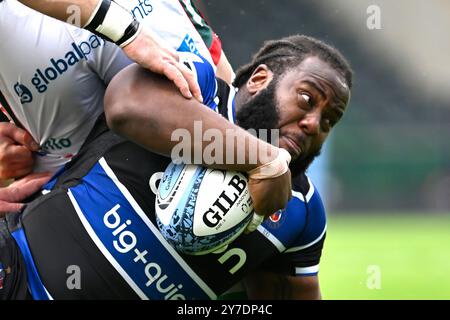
(307, 98)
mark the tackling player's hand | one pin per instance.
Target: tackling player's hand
(147, 52)
(11, 197)
(16, 151)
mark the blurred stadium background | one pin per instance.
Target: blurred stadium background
(385, 172)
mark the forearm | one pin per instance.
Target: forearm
(61, 9)
(148, 110)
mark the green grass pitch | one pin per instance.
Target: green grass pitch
(386, 256)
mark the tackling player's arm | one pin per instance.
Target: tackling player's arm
(146, 109)
(118, 25)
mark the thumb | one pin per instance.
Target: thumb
(19, 136)
(7, 207)
(29, 142)
(23, 188)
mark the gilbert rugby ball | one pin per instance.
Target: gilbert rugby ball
(201, 210)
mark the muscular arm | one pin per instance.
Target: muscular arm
(147, 109)
(266, 285)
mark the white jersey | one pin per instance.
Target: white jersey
(168, 20)
(54, 75)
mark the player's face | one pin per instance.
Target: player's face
(310, 100)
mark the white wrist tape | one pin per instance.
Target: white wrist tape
(116, 21)
(93, 13)
(272, 169)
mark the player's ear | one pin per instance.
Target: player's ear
(259, 79)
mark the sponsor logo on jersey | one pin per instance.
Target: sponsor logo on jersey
(142, 10)
(276, 219)
(188, 45)
(130, 241)
(23, 92)
(56, 67)
(53, 144)
(127, 242)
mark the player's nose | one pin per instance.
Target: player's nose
(310, 123)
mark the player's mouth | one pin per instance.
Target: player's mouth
(291, 146)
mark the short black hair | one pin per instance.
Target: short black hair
(283, 54)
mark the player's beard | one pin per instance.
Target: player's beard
(262, 112)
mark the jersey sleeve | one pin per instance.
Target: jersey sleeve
(299, 234)
(305, 251)
(206, 77)
(106, 60)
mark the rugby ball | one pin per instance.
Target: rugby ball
(201, 210)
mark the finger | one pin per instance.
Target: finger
(30, 143)
(18, 154)
(175, 75)
(13, 173)
(173, 54)
(23, 188)
(6, 207)
(192, 82)
(188, 75)
(20, 136)
(36, 177)
(15, 169)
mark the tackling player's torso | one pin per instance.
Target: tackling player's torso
(53, 79)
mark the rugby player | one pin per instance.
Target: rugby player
(57, 95)
(100, 214)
